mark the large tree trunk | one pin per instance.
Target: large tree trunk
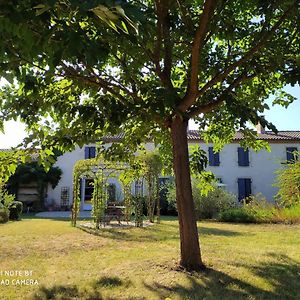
(189, 241)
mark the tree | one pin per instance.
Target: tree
(33, 172)
(288, 183)
(83, 69)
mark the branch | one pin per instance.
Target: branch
(265, 37)
(198, 44)
(157, 49)
(206, 108)
(95, 81)
(122, 62)
(186, 18)
(163, 38)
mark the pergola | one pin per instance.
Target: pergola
(100, 171)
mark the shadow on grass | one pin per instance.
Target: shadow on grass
(221, 232)
(65, 292)
(282, 275)
(162, 232)
(91, 292)
(111, 282)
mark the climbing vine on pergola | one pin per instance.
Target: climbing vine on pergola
(99, 170)
(146, 166)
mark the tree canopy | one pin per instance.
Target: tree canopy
(81, 69)
(165, 58)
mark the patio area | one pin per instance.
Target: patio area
(62, 214)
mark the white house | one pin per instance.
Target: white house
(242, 172)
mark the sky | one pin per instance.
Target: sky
(283, 119)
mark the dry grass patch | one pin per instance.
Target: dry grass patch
(244, 262)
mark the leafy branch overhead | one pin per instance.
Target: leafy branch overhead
(147, 61)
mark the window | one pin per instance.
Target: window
(219, 180)
(89, 152)
(213, 158)
(88, 190)
(112, 192)
(290, 156)
(138, 188)
(243, 157)
(244, 188)
(64, 196)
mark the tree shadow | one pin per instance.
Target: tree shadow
(111, 282)
(90, 292)
(65, 292)
(222, 232)
(141, 234)
(282, 275)
(153, 233)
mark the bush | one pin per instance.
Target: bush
(15, 210)
(5, 201)
(206, 206)
(237, 215)
(257, 209)
(3, 215)
(288, 182)
(169, 206)
(210, 205)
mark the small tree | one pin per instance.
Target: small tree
(152, 167)
(288, 182)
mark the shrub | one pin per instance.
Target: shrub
(3, 215)
(5, 198)
(5, 201)
(15, 210)
(207, 206)
(287, 215)
(237, 215)
(170, 196)
(210, 205)
(256, 209)
(288, 182)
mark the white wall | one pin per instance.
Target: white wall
(261, 169)
(66, 163)
(263, 166)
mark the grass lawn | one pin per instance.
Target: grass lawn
(244, 262)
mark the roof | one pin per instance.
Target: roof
(5, 150)
(193, 135)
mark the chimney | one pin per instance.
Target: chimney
(260, 128)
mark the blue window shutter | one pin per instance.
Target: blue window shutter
(217, 159)
(248, 191)
(92, 152)
(240, 156)
(211, 156)
(86, 153)
(246, 157)
(244, 186)
(289, 153)
(243, 157)
(241, 188)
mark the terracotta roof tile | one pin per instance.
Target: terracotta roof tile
(193, 135)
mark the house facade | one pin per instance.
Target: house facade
(242, 172)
